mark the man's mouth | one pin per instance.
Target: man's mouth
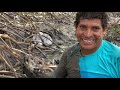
(88, 41)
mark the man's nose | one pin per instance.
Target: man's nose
(88, 33)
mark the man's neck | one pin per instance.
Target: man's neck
(87, 52)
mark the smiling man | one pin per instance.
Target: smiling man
(91, 56)
(98, 58)
(89, 33)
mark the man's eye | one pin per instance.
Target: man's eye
(82, 27)
(95, 29)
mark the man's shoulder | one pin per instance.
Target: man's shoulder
(74, 47)
(72, 50)
(115, 49)
(111, 45)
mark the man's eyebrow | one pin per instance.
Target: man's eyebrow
(82, 25)
(96, 27)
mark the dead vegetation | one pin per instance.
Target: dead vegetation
(32, 42)
(19, 50)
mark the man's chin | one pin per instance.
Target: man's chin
(87, 47)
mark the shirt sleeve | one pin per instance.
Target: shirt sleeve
(61, 71)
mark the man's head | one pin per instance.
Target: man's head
(92, 15)
(90, 29)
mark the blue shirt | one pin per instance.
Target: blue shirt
(104, 63)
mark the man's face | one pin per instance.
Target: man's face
(90, 33)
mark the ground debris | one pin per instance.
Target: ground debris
(23, 57)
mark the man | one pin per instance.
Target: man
(91, 57)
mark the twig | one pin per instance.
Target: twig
(10, 43)
(40, 51)
(10, 66)
(6, 72)
(5, 76)
(12, 33)
(8, 37)
(28, 37)
(4, 42)
(13, 50)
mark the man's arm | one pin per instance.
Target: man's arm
(61, 71)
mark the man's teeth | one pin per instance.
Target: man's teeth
(88, 40)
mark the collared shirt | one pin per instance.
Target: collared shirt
(104, 63)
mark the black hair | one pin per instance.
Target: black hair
(92, 15)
